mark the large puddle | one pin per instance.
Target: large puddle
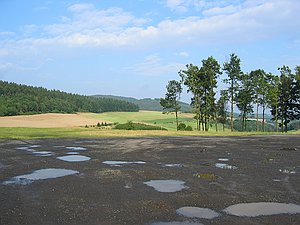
(177, 223)
(119, 163)
(262, 209)
(225, 166)
(195, 212)
(40, 175)
(74, 158)
(167, 185)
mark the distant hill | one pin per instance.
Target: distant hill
(17, 99)
(146, 103)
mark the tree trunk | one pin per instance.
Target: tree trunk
(257, 114)
(263, 120)
(176, 114)
(223, 127)
(276, 117)
(231, 116)
(216, 122)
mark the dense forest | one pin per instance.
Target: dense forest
(16, 99)
(147, 103)
(250, 92)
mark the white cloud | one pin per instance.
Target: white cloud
(183, 54)
(114, 27)
(153, 65)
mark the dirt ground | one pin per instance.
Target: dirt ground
(265, 169)
(48, 120)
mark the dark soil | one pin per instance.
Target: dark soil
(268, 169)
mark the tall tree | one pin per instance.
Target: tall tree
(171, 101)
(244, 98)
(211, 69)
(289, 97)
(233, 70)
(222, 108)
(273, 97)
(192, 78)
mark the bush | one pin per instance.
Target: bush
(184, 127)
(137, 126)
(189, 128)
(181, 126)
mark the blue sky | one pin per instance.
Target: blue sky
(132, 48)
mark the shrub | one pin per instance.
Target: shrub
(189, 128)
(137, 126)
(181, 126)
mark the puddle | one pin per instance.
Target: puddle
(26, 148)
(195, 212)
(40, 175)
(34, 146)
(176, 223)
(287, 171)
(74, 158)
(178, 165)
(76, 148)
(2, 165)
(73, 153)
(43, 153)
(223, 159)
(167, 185)
(276, 180)
(119, 163)
(262, 209)
(225, 166)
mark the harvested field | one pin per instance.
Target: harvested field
(148, 181)
(49, 120)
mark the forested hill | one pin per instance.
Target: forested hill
(16, 99)
(146, 103)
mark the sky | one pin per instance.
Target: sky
(133, 48)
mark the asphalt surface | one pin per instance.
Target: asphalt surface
(258, 169)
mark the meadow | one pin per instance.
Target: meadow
(25, 127)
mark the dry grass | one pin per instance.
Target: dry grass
(49, 120)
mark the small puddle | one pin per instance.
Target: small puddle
(262, 209)
(26, 148)
(195, 212)
(42, 174)
(74, 158)
(223, 159)
(73, 153)
(178, 165)
(119, 163)
(225, 166)
(43, 153)
(287, 171)
(177, 223)
(76, 148)
(167, 185)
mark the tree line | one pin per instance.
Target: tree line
(16, 99)
(249, 92)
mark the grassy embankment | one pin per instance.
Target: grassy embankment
(154, 118)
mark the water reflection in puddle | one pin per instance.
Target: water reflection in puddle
(287, 171)
(223, 159)
(178, 165)
(43, 153)
(167, 185)
(40, 175)
(76, 148)
(195, 212)
(26, 148)
(262, 209)
(177, 223)
(119, 163)
(73, 153)
(74, 158)
(225, 166)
